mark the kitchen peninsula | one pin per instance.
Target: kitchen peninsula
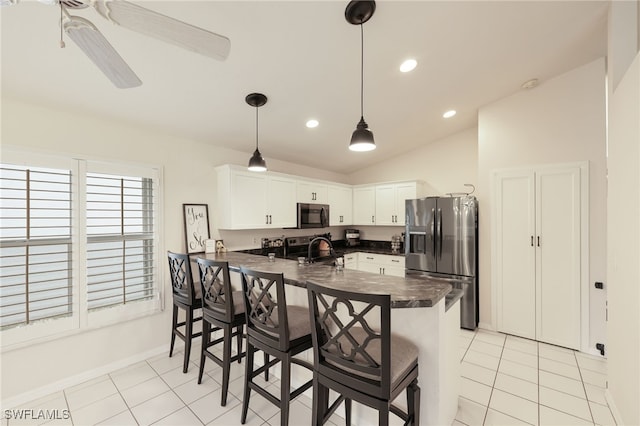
(418, 313)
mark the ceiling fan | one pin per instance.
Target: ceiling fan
(136, 18)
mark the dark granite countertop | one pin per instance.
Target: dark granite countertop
(406, 292)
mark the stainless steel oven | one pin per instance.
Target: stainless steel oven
(313, 215)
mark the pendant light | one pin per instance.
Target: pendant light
(357, 13)
(256, 163)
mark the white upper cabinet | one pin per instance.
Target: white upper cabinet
(383, 204)
(281, 202)
(364, 205)
(251, 200)
(340, 205)
(390, 200)
(312, 192)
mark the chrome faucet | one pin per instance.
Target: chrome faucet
(317, 239)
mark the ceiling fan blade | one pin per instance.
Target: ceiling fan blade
(100, 51)
(162, 27)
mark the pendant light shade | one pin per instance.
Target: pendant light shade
(362, 138)
(357, 13)
(256, 162)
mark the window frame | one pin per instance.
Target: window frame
(82, 320)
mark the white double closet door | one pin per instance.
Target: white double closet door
(537, 265)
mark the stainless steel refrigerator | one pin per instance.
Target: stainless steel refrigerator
(441, 240)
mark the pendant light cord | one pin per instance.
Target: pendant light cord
(256, 128)
(361, 70)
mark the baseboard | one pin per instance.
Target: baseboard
(612, 406)
(486, 326)
(45, 390)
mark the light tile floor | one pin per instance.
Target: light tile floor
(505, 381)
(508, 380)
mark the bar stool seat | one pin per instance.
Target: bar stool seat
(356, 356)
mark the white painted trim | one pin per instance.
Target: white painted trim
(60, 385)
(585, 257)
(612, 406)
(486, 326)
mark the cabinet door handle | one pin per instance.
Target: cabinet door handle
(369, 258)
(538, 240)
(532, 241)
(372, 219)
(394, 260)
(266, 219)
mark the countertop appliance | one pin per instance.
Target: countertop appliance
(441, 240)
(352, 237)
(313, 215)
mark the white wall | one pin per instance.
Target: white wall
(189, 177)
(445, 166)
(623, 253)
(624, 23)
(560, 121)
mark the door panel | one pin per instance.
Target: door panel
(515, 271)
(250, 205)
(558, 257)
(403, 192)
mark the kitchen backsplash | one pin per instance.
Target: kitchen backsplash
(252, 238)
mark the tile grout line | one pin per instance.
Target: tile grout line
(538, 362)
(123, 399)
(66, 401)
(486, 412)
(178, 396)
(593, 420)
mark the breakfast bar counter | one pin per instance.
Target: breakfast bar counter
(418, 313)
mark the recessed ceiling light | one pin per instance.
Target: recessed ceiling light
(312, 123)
(408, 65)
(449, 113)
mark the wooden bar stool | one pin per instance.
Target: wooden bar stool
(279, 330)
(224, 309)
(356, 356)
(186, 296)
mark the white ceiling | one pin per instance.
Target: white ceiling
(306, 58)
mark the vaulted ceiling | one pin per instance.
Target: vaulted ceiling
(306, 58)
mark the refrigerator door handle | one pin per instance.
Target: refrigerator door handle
(440, 230)
(433, 233)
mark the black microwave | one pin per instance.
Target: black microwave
(313, 215)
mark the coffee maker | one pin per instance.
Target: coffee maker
(352, 237)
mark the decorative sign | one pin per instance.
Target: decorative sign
(196, 226)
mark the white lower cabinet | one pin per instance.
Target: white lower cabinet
(351, 261)
(376, 263)
(538, 272)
